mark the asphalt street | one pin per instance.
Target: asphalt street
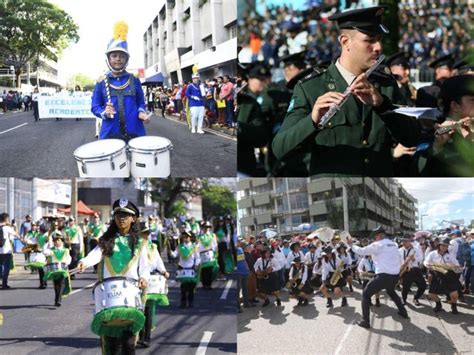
(32, 325)
(45, 148)
(314, 329)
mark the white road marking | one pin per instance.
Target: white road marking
(88, 286)
(206, 338)
(11, 129)
(226, 290)
(346, 334)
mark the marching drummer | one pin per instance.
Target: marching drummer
(188, 260)
(121, 253)
(118, 98)
(58, 259)
(207, 246)
(152, 299)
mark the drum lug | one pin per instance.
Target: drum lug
(155, 155)
(125, 301)
(83, 167)
(112, 164)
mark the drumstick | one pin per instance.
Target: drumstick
(107, 92)
(76, 270)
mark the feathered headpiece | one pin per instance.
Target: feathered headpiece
(119, 41)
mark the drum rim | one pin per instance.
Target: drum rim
(151, 151)
(114, 278)
(100, 157)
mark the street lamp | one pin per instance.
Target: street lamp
(421, 220)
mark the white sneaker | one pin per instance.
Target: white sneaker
(200, 131)
(193, 130)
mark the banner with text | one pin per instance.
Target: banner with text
(65, 106)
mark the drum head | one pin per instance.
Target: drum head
(149, 143)
(99, 149)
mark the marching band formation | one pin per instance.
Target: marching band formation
(329, 266)
(126, 255)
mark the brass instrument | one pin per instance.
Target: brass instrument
(444, 268)
(263, 274)
(29, 248)
(336, 276)
(292, 282)
(366, 275)
(404, 267)
(451, 127)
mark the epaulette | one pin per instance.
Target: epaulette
(314, 73)
(100, 79)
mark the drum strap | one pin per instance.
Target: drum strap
(128, 91)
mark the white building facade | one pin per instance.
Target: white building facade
(184, 33)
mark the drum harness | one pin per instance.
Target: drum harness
(127, 89)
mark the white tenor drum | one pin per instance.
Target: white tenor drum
(185, 273)
(104, 158)
(150, 156)
(55, 267)
(157, 284)
(37, 258)
(207, 256)
(117, 292)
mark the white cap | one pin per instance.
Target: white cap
(195, 75)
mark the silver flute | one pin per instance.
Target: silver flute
(347, 93)
(452, 127)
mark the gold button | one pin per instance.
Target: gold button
(366, 160)
(364, 142)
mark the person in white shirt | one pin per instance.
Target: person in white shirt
(441, 265)
(189, 259)
(295, 252)
(299, 280)
(7, 235)
(332, 263)
(311, 258)
(386, 258)
(411, 258)
(279, 256)
(347, 271)
(366, 269)
(267, 279)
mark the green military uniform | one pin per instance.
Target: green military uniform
(357, 141)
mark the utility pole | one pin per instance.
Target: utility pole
(74, 198)
(345, 206)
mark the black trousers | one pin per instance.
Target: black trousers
(145, 333)
(125, 345)
(59, 289)
(75, 251)
(414, 275)
(187, 292)
(41, 276)
(222, 248)
(380, 282)
(206, 276)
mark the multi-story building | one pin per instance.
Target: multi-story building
(356, 204)
(36, 197)
(184, 33)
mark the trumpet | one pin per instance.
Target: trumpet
(336, 276)
(451, 127)
(347, 94)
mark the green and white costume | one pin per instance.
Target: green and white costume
(58, 255)
(156, 263)
(41, 241)
(120, 264)
(189, 259)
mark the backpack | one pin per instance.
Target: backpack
(2, 237)
(463, 254)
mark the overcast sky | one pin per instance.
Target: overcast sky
(96, 19)
(449, 199)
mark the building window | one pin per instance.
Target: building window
(207, 42)
(280, 185)
(282, 204)
(232, 31)
(298, 201)
(296, 183)
(299, 219)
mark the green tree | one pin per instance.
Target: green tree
(30, 29)
(82, 80)
(217, 201)
(167, 191)
(178, 208)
